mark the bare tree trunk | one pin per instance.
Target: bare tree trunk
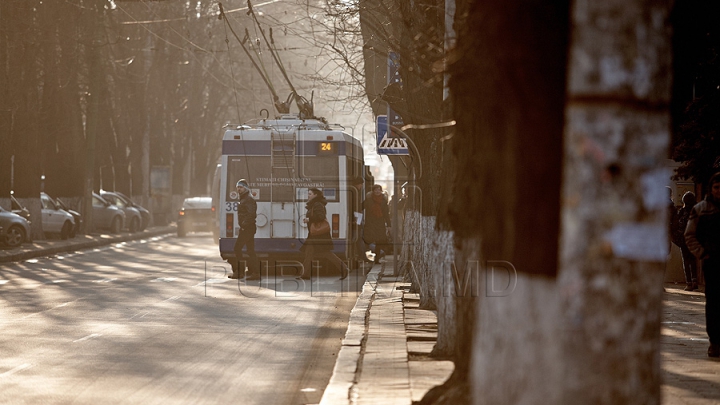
(592, 334)
(617, 137)
(95, 79)
(507, 90)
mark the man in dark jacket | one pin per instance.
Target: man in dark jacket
(247, 211)
(702, 237)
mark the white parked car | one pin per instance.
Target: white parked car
(56, 220)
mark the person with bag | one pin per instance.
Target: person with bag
(702, 236)
(377, 222)
(319, 241)
(247, 211)
(678, 237)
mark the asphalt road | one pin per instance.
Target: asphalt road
(158, 322)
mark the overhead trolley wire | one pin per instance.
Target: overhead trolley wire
(212, 53)
(276, 99)
(232, 72)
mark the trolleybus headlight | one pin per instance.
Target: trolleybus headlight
(261, 220)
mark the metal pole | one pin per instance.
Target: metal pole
(395, 222)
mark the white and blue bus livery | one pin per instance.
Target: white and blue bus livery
(281, 159)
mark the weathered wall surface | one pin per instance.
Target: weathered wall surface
(426, 258)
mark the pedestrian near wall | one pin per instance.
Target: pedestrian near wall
(377, 222)
(247, 211)
(702, 236)
(320, 245)
(688, 259)
(357, 228)
(672, 218)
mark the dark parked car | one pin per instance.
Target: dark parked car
(144, 213)
(16, 228)
(196, 215)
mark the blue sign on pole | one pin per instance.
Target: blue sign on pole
(389, 143)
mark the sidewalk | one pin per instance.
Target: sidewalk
(689, 375)
(384, 356)
(48, 247)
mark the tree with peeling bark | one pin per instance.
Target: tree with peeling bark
(535, 116)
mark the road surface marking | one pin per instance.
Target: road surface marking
(138, 315)
(165, 279)
(214, 281)
(15, 370)
(87, 337)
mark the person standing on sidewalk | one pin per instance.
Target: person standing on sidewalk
(377, 222)
(672, 218)
(357, 227)
(247, 211)
(318, 245)
(702, 237)
(688, 259)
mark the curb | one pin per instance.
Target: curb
(349, 356)
(30, 252)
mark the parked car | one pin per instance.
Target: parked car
(196, 215)
(133, 219)
(55, 220)
(144, 213)
(106, 215)
(18, 208)
(76, 215)
(17, 228)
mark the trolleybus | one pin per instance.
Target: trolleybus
(281, 159)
